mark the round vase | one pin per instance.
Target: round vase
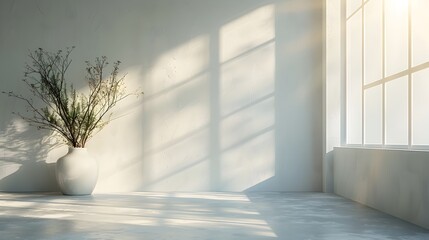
(77, 172)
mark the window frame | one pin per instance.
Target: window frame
(408, 72)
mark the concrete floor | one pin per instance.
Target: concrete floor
(196, 216)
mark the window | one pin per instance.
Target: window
(387, 72)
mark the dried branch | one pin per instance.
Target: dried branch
(75, 116)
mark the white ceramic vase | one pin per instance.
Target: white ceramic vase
(77, 172)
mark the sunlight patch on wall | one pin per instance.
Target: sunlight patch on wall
(8, 168)
(177, 143)
(119, 158)
(181, 111)
(257, 118)
(182, 165)
(250, 162)
(247, 107)
(247, 79)
(177, 115)
(20, 125)
(178, 65)
(247, 32)
(115, 146)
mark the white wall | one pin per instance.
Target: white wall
(332, 88)
(392, 181)
(233, 93)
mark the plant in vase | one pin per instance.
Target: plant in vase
(72, 115)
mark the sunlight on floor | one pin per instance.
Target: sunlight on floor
(180, 215)
(189, 210)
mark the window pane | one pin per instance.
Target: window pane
(420, 107)
(396, 38)
(420, 33)
(354, 79)
(373, 115)
(373, 41)
(352, 6)
(397, 111)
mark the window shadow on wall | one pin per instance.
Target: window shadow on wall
(231, 107)
(221, 110)
(206, 121)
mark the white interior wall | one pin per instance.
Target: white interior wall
(233, 93)
(392, 181)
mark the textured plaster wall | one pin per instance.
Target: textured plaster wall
(233, 93)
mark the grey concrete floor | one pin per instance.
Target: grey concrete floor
(196, 216)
